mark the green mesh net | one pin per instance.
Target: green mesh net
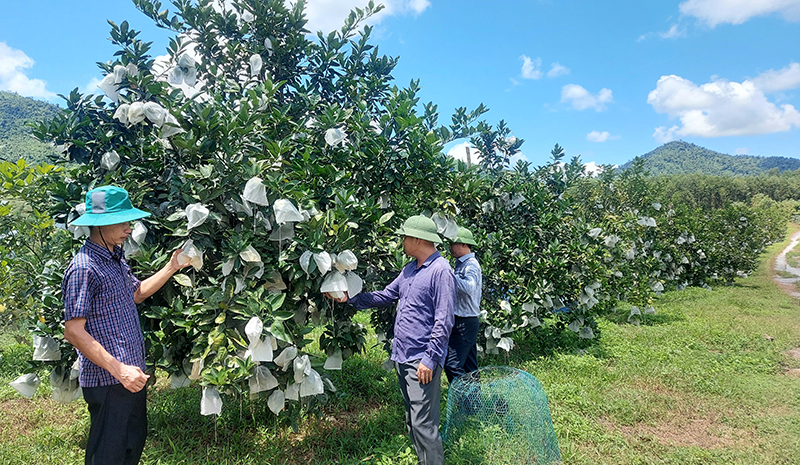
(501, 413)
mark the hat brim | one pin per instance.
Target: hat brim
(425, 236)
(463, 241)
(105, 219)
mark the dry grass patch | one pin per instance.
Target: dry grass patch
(680, 420)
(24, 417)
(705, 433)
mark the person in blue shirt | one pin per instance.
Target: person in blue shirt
(100, 296)
(462, 354)
(425, 293)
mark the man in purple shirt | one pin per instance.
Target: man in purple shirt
(425, 292)
(101, 322)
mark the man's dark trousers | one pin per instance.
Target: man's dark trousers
(462, 353)
(119, 425)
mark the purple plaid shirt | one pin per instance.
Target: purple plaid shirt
(426, 297)
(99, 286)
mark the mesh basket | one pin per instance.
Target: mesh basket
(501, 413)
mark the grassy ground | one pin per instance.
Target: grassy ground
(712, 378)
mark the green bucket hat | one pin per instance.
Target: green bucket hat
(420, 227)
(464, 236)
(108, 205)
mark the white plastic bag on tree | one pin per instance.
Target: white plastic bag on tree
(335, 284)
(354, 284)
(65, 385)
(227, 267)
(262, 380)
(253, 329)
(323, 261)
(346, 261)
(119, 73)
(197, 368)
(286, 357)
(192, 255)
(255, 64)
(26, 384)
(305, 260)
(274, 283)
(282, 233)
(250, 254)
(46, 349)
(312, 385)
(334, 361)
(139, 232)
(179, 380)
(171, 126)
(292, 392)
(335, 136)
(255, 192)
(136, 113)
(196, 214)
(302, 368)
(110, 160)
(286, 212)
(211, 403)
(276, 401)
(155, 113)
(121, 114)
(109, 88)
(260, 350)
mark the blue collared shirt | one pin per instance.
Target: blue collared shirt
(425, 297)
(469, 282)
(99, 286)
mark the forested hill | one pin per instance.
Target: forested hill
(678, 157)
(16, 140)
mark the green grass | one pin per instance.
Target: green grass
(703, 381)
(793, 258)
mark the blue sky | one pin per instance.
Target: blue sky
(605, 80)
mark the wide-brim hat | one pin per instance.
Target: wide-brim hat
(108, 205)
(420, 227)
(464, 236)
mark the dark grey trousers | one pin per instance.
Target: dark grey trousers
(422, 412)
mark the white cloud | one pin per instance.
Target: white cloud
(598, 136)
(531, 68)
(459, 152)
(329, 15)
(783, 79)
(556, 70)
(714, 12)
(718, 108)
(13, 64)
(592, 168)
(581, 99)
(91, 87)
(673, 32)
(742, 151)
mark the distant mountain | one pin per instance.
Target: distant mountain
(678, 157)
(16, 140)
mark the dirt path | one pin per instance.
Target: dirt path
(787, 284)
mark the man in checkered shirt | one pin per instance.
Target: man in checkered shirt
(101, 322)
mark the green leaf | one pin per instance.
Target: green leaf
(183, 280)
(386, 217)
(279, 331)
